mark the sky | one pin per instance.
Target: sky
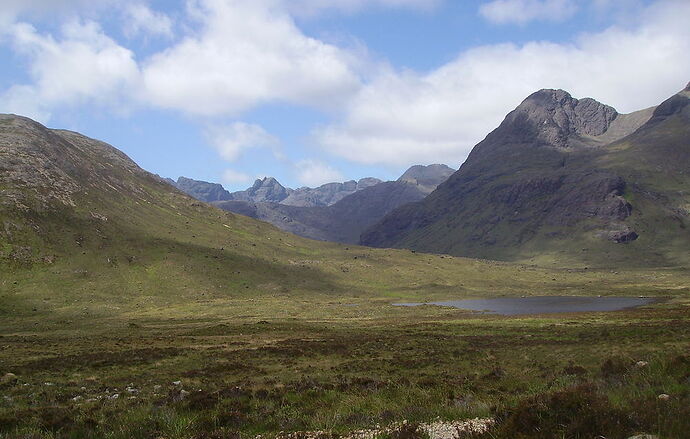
(315, 91)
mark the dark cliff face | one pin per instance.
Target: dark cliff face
(543, 183)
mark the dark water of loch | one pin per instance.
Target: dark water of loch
(543, 304)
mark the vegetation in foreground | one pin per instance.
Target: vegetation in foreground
(339, 367)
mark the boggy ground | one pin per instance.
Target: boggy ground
(337, 366)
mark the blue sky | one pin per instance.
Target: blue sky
(312, 91)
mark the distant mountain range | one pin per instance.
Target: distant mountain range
(562, 179)
(337, 212)
(269, 190)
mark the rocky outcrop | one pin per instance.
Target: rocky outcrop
(555, 118)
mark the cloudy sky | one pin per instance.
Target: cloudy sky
(312, 91)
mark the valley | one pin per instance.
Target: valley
(131, 310)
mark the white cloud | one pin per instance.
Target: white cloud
(25, 101)
(231, 140)
(245, 54)
(314, 173)
(141, 20)
(232, 177)
(308, 8)
(48, 9)
(408, 117)
(524, 11)
(83, 66)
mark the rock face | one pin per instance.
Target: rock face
(556, 118)
(561, 178)
(345, 220)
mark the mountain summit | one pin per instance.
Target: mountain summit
(556, 118)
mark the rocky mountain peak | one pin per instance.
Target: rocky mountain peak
(265, 182)
(268, 189)
(559, 119)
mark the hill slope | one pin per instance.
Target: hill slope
(562, 179)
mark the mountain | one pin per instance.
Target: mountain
(86, 235)
(562, 179)
(269, 190)
(345, 220)
(327, 194)
(81, 223)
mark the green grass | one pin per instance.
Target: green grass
(257, 365)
